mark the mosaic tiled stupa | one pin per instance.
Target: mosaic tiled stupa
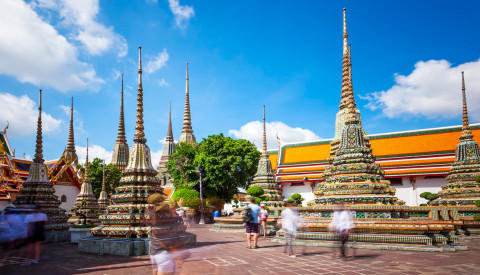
(462, 189)
(168, 150)
(128, 215)
(353, 176)
(103, 200)
(265, 177)
(187, 130)
(38, 191)
(120, 150)
(86, 206)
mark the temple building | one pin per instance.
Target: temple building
(168, 149)
(62, 173)
(265, 177)
(187, 131)
(37, 190)
(120, 149)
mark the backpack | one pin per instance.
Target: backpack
(247, 215)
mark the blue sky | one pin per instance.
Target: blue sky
(406, 55)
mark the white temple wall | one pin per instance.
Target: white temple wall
(432, 185)
(4, 204)
(305, 190)
(71, 192)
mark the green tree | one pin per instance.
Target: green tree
(181, 167)
(226, 165)
(95, 172)
(429, 196)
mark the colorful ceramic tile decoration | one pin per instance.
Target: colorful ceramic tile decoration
(37, 190)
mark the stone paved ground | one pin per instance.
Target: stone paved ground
(223, 253)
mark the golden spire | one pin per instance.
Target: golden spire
(39, 149)
(466, 133)
(264, 135)
(121, 122)
(139, 134)
(169, 131)
(86, 178)
(187, 119)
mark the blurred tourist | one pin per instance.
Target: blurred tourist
(14, 231)
(35, 224)
(263, 217)
(290, 221)
(342, 223)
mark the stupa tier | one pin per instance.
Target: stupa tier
(38, 191)
(462, 188)
(86, 206)
(352, 175)
(128, 215)
(265, 177)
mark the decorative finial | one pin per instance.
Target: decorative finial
(345, 34)
(121, 121)
(169, 131)
(103, 177)
(71, 138)
(39, 148)
(6, 127)
(139, 134)
(187, 119)
(264, 134)
(87, 179)
(348, 100)
(466, 133)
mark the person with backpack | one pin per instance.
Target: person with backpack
(250, 216)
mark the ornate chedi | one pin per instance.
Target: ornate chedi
(70, 153)
(86, 206)
(128, 215)
(265, 177)
(353, 176)
(37, 189)
(187, 131)
(120, 150)
(347, 89)
(103, 200)
(168, 150)
(462, 188)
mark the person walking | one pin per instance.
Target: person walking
(342, 223)
(263, 220)
(290, 221)
(250, 217)
(35, 223)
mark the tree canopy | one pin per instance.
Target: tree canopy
(226, 165)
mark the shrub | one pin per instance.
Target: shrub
(185, 193)
(423, 204)
(476, 217)
(429, 196)
(258, 200)
(255, 191)
(290, 200)
(477, 203)
(297, 198)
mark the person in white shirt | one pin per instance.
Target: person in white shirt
(290, 221)
(342, 224)
(263, 217)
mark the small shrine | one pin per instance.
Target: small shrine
(86, 207)
(103, 200)
(462, 188)
(265, 177)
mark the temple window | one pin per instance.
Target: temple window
(63, 198)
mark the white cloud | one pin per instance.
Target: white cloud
(32, 51)
(182, 13)
(253, 131)
(156, 157)
(81, 16)
(432, 90)
(162, 82)
(22, 114)
(157, 62)
(94, 151)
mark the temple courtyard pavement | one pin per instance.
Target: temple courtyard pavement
(225, 253)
